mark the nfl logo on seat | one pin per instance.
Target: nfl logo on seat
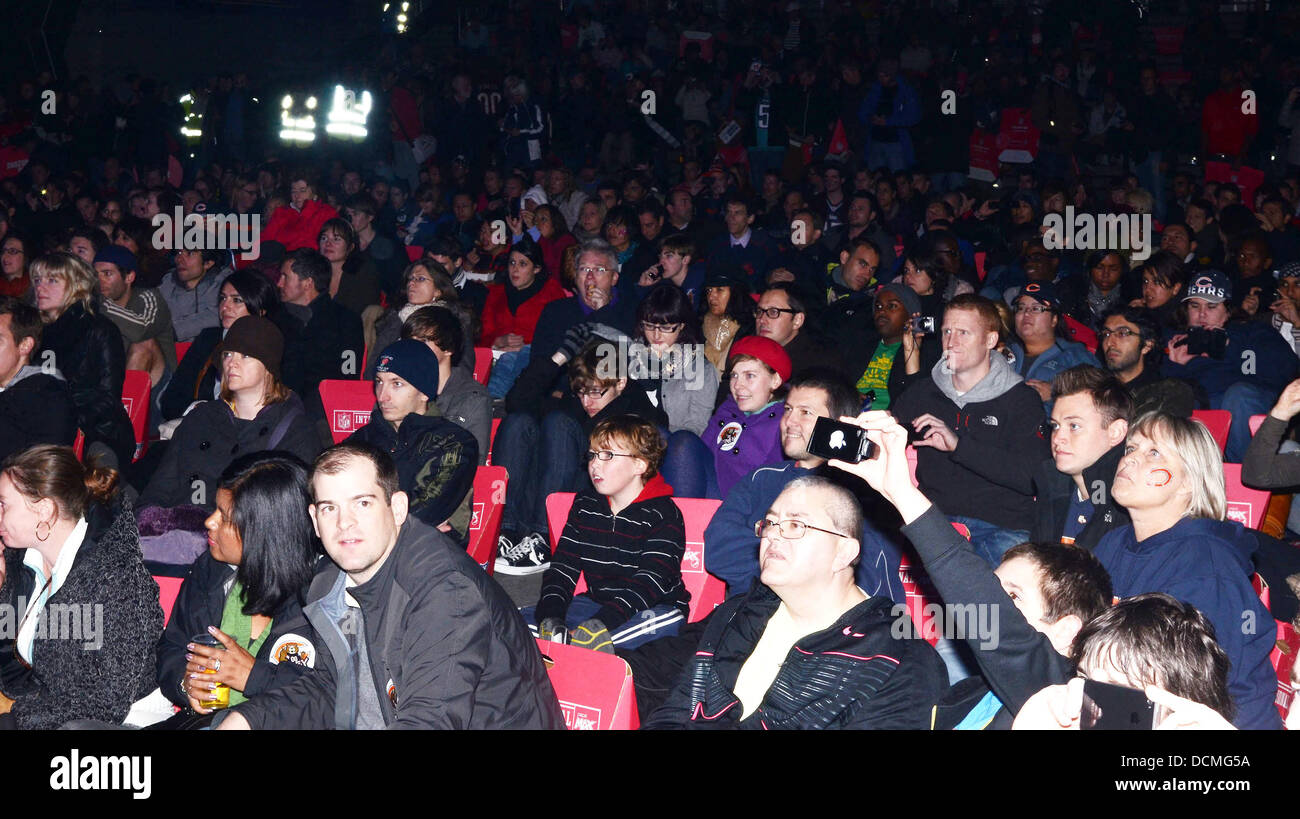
(693, 559)
(580, 717)
(128, 404)
(476, 522)
(1240, 512)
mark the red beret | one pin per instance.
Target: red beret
(765, 350)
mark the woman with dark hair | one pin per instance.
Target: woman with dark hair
(1087, 298)
(354, 281)
(669, 363)
(198, 375)
(923, 271)
(72, 543)
(1163, 278)
(247, 590)
(512, 310)
(136, 235)
(553, 235)
(424, 283)
(622, 230)
(726, 313)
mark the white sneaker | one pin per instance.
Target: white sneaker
(529, 556)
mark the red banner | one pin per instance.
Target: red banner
(1247, 178)
(1017, 137)
(983, 156)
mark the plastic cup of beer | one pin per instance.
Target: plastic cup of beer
(219, 697)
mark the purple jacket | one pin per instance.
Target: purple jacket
(742, 443)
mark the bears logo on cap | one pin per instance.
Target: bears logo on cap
(1206, 287)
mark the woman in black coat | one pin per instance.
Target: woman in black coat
(87, 349)
(73, 550)
(248, 587)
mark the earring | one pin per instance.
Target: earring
(47, 531)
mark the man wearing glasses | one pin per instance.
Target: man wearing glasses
(805, 647)
(1128, 340)
(781, 315)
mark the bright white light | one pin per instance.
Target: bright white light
(311, 103)
(295, 135)
(385, 7)
(347, 115)
(255, 99)
(401, 18)
(405, 6)
(287, 102)
(190, 132)
(185, 99)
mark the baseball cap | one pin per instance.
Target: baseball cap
(1213, 286)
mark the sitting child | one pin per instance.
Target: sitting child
(627, 537)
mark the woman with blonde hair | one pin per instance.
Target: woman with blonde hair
(73, 544)
(1170, 480)
(86, 348)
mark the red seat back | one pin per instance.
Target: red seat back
(135, 398)
(921, 596)
(1256, 421)
(1283, 658)
(182, 347)
(489, 503)
(492, 437)
(980, 257)
(79, 445)
(414, 252)
(1218, 422)
(168, 589)
(706, 591)
(594, 688)
(482, 364)
(1245, 505)
(347, 405)
(1081, 333)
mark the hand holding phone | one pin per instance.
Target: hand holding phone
(840, 441)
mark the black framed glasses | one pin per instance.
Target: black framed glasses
(606, 455)
(592, 392)
(772, 312)
(665, 329)
(789, 529)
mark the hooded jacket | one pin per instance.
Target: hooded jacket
(97, 678)
(1055, 490)
(289, 650)
(742, 442)
(1000, 443)
(297, 229)
(194, 309)
(1255, 353)
(1207, 563)
(447, 649)
(36, 408)
(1058, 358)
(632, 559)
(466, 402)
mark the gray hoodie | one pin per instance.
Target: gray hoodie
(27, 372)
(1000, 378)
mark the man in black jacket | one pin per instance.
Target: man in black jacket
(1089, 425)
(415, 634)
(330, 344)
(35, 406)
(830, 655)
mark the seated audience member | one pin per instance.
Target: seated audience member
(435, 458)
(924, 271)
(448, 253)
(327, 341)
(72, 542)
(1254, 367)
(851, 287)
(512, 311)
(627, 537)
(1086, 298)
(1043, 348)
(978, 431)
(1042, 593)
(461, 399)
(726, 313)
(1271, 462)
(86, 348)
(354, 281)
(783, 314)
(805, 647)
(141, 315)
(1163, 279)
(1285, 309)
(198, 374)
(1153, 643)
(401, 603)
(388, 258)
(676, 264)
(1090, 414)
(424, 283)
(665, 360)
(1129, 347)
(891, 355)
(299, 225)
(751, 249)
(255, 412)
(1179, 239)
(35, 406)
(85, 243)
(541, 445)
(15, 256)
(190, 290)
(805, 260)
(1171, 482)
(248, 587)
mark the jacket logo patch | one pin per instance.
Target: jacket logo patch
(294, 648)
(990, 420)
(391, 688)
(580, 717)
(729, 436)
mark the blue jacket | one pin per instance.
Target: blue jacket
(757, 257)
(1207, 563)
(731, 549)
(905, 113)
(1058, 358)
(1255, 352)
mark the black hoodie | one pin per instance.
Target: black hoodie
(1055, 490)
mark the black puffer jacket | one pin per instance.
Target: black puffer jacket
(447, 649)
(211, 437)
(200, 604)
(87, 349)
(96, 678)
(36, 408)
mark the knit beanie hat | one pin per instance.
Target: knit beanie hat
(911, 301)
(414, 361)
(256, 337)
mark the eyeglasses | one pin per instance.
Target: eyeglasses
(772, 312)
(587, 270)
(592, 393)
(1122, 332)
(606, 455)
(1032, 309)
(790, 529)
(13, 251)
(662, 329)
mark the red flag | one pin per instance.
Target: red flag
(839, 147)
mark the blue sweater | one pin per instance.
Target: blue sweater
(1207, 563)
(731, 549)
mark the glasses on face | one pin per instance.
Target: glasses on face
(772, 312)
(593, 392)
(589, 270)
(1032, 309)
(789, 529)
(1122, 332)
(662, 329)
(419, 279)
(606, 455)
(13, 251)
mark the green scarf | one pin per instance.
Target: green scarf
(240, 627)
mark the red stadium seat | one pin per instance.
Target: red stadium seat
(1245, 505)
(168, 589)
(1081, 333)
(489, 502)
(594, 688)
(1218, 422)
(980, 258)
(135, 398)
(182, 347)
(414, 252)
(1256, 421)
(79, 445)
(920, 594)
(1283, 658)
(492, 437)
(347, 405)
(706, 591)
(482, 364)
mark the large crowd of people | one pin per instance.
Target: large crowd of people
(686, 236)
